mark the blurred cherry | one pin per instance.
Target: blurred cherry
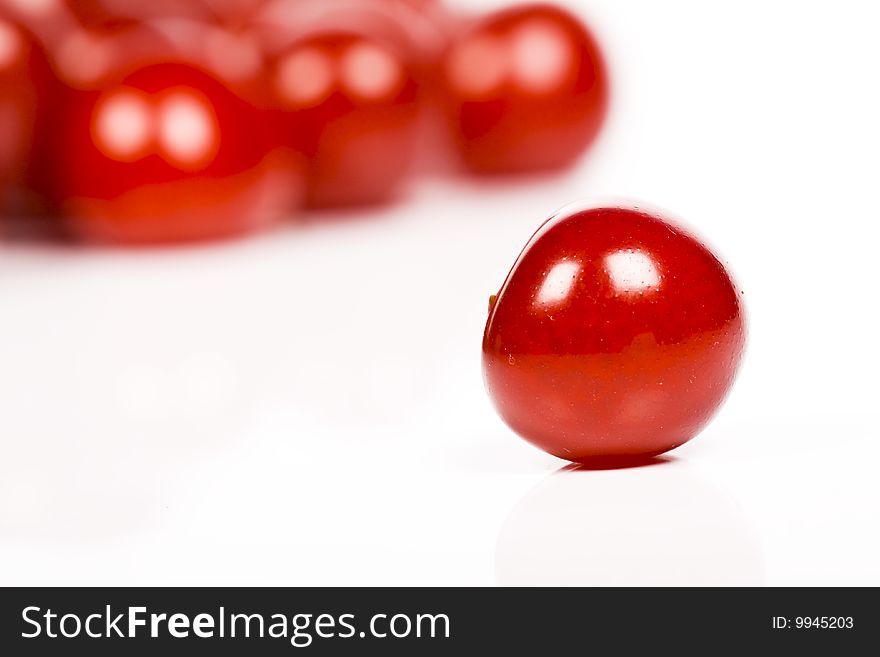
(349, 104)
(105, 13)
(614, 338)
(234, 12)
(17, 104)
(108, 12)
(40, 17)
(418, 34)
(525, 89)
(73, 57)
(172, 145)
(25, 84)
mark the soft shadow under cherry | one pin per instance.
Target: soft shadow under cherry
(617, 463)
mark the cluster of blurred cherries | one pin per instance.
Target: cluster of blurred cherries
(157, 121)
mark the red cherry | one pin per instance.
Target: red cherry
(40, 17)
(103, 13)
(416, 33)
(18, 104)
(169, 151)
(27, 90)
(525, 90)
(615, 337)
(234, 11)
(350, 105)
(107, 12)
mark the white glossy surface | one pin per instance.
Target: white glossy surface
(307, 407)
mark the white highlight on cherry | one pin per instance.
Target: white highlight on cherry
(11, 45)
(123, 125)
(478, 66)
(305, 77)
(632, 271)
(371, 72)
(542, 56)
(187, 130)
(558, 282)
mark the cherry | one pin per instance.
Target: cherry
(18, 105)
(109, 12)
(525, 90)
(27, 91)
(169, 150)
(43, 18)
(234, 11)
(102, 13)
(349, 103)
(615, 337)
(417, 33)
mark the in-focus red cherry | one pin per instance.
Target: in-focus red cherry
(169, 151)
(615, 337)
(350, 105)
(525, 89)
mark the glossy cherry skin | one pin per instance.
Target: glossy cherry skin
(525, 89)
(349, 103)
(615, 337)
(168, 153)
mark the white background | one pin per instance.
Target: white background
(306, 407)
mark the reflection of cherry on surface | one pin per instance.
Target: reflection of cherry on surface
(654, 526)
